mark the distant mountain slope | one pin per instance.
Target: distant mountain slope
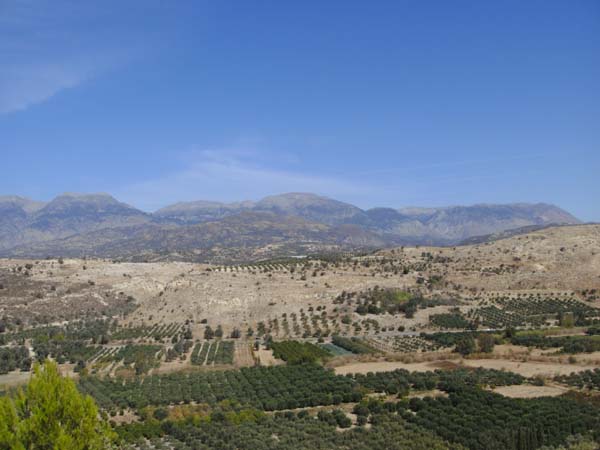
(201, 211)
(429, 225)
(240, 237)
(460, 222)
(74, 213)
(307, 206)
(25, 204)
(13, 219)
(486, 238)
(450, 225)
(311, 207)
(25, 222)
(97, 224)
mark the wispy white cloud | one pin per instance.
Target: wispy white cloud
(21, 87)
(246, 173)
(49, 46)
(231, 175)
(36, 62)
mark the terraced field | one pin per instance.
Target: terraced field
(213, 353)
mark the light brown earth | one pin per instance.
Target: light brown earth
(244, 354)
(559, 258)
(385, 366)
(549, 262)
(266, 358)
(527, 369)
(529, 391)
(17, 378)
(12, 379)
(565, 259)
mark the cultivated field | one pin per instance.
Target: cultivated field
(513, 325)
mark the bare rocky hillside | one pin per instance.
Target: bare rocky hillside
(550, 261)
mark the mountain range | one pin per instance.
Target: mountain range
(281, 225)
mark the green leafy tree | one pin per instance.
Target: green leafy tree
(465, 346)
(51, 414)
(486, 343)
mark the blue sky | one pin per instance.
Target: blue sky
(377, 103)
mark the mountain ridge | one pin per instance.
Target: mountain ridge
(98, 224)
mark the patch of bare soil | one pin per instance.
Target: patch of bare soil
(266, 358)
(44, 292)
(511, 351)
(244, 354)
(18, 378)
(527, 369)
(14, 378)
(559, 258)
(529, 391)
(127, 416)
(384, 366)
(432, 393)
(173, 366)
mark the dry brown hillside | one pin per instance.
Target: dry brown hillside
(564, 258)
(551, 260)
